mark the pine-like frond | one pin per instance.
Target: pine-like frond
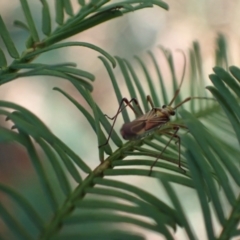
(210, 161)
(89, 15)
(100, 205)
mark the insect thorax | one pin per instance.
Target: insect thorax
(146, 124)
(165, 110)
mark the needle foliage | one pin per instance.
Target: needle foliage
(99, 205)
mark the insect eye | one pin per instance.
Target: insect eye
(173, 113)
(164, 106)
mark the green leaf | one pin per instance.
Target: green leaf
(81, 26)
(116, 87)
(177, 205)
(68, 7)
(59, 7)
(69, 165)
(29, 42)
(140, 193)
(169, 57)
(126, 78)
(140, 172)
(7, 40)
(97, 125)
(112, 194)
(83, 13)
(202, 136)
(75, 71)
(84, 93)
(63, 181)
(21, 24)
(31, 119)
(3, 60)
(14, 225)
(20, 123)
(230, 228)
(231, 165)
(126, 208)
(120, 6)
(81, 2)
(138, 85)
(87, 115)
(230, 100)
(160, 4)
(7, 135)
(198, 58)
(129, 85)
(153, 93)
(78, 161)
(69, 44)
(193, 77)
(221, 52)
(45, 182)
(25, 205)
(235, 71)
(31, 24)
(148, 163)
(198, 181)
(29, 126)
(105, 234)
(46, 18)
(51, 72)
(162, 86)
(228, 79)
(114, 218)
(40, 66)
(227, 109)
(206, 175)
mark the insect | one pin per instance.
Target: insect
(156, 118)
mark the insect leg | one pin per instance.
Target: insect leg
(140, 111)
(120, 109)
(178, 141)
(128, 104)
(173, 135)
(149, 100)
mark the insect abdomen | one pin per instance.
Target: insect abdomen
(133, 130)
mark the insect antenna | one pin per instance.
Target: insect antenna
(180, 85)
(183, 74)
(175, 127)
(191, 98)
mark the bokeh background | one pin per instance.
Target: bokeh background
(133, 34)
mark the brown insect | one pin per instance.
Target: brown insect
(156, 118)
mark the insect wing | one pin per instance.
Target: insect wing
(133, 129)
(154, 119)
(143, 125)
(155, 123)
